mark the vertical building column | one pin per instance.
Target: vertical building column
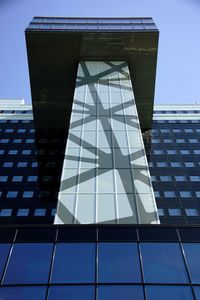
(105, 176)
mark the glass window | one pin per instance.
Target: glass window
(11, 194)
(197, 292)
(12, 152)
(17, 178)
(167, 267)
(71, 292)
(4, 141)
(192, 251)
(153, 178)
(9, 130)
(167, 141)
(185, 194)
(184, 151)
(23, 293)
(176, 130)
(169, 194)
(8, 164)
(189, 164)
(195, 178)
(161, 164)
(5, 212)
(4, 251)
(157, 194)
(188, 130)
(175, 164)
(118, 262)
(196, 151)
(32, 178)
(26, 152)
(180, 178)
(27, 194)
(3, 178)
(2, 151)
(171, 152)
(191, 212)
(155, 141)
(169, 292)
(23, 212)
(53, 212)
(197, 193)
(74, 262)
(29, 263)
(21, 130)
(174, 212)
(180, 141)
(40, 212)
(161, 212)
(22, 164)
(193, 141)
(30, 141)
(165, 178)
(34, 164)
(158, 152)
(165, 130)
(17, 141)
(128, 292)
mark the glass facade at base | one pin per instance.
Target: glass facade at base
(100, 262)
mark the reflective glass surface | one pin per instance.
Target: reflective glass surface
(71, 292)
(118, 262)
(74, 262)
(23, 293)
(163, 263)
(169, 292)
(118, 292)
(192, 252)
(4, 251)
(29, 263)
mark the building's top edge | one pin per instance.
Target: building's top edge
(93, 18)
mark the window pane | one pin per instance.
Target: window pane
(71, 292)
(29, 263)
(197, 292)
(169, 292)
(23, 293)
(120, 292)
(4, 250)
(74, 262)
(118, 262)
(163, 263)
(192, 253)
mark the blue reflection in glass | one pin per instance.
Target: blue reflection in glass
(118, 262)
(163, 263)
(169, 292)
(22, 293)
(192, 251)
(74, 262)
(71, 292)
(29, 263)
(128, 292)
(197, 292)
(4, 251)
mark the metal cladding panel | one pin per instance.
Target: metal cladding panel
(105, 176)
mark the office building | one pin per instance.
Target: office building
(99, 194)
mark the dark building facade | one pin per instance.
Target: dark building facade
(85, 211)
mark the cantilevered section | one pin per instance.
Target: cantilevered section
(56, 45)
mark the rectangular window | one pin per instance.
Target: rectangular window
(23, 212)
(180, 178)
(175, 164)
(191, 251)
(8, 164)
(32, 178)
(193, 141)
(195, 178)
(29, 264)
(161, 164)
(169, 194)
(169, 292)
(74, 263)
(191, 212)
(5, 212)
(28, 194)
(40, 212)
(174, 212)
(185, 194)
(3, 178)
(26, 152)
(12, 152)
(118, 262)
(171, 152)
(189, 164)
(167, 267)
(165, 178)
(22, 164)
(12, 194)
(17, 141)
(17, 178)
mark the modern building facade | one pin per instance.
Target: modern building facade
(99, 191)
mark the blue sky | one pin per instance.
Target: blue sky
(178, 69)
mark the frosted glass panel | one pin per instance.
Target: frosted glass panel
(105, 166)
